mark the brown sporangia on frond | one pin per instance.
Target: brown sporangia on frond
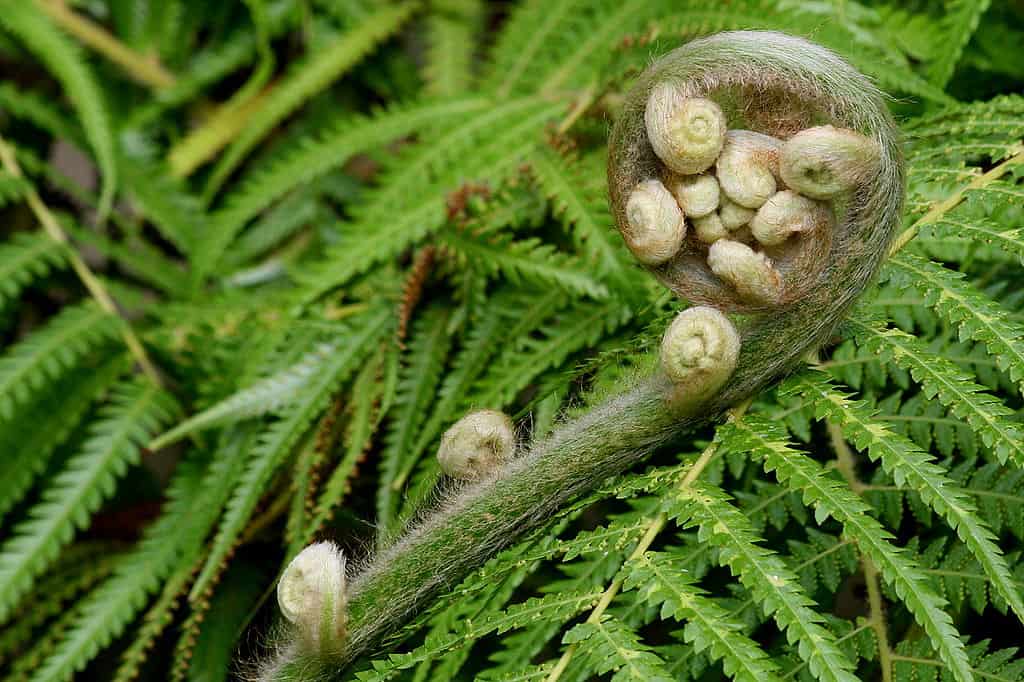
(412, 290)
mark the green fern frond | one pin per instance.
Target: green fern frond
(960, 19)
(546, 346)
(12, 188)
(64, 60)
(55, 414)
(971, 234)
(79, 568)
(314, 157)
(766, 441)
(365, 397)
(911, 467)
(914, 660)
(263, 397)
(417, 388)
(976, 316)
(25, 258)
(943, 380)
(553, 607)
(277, 440)
(585, 211)
(413, 203)
(609, 645)
(165, 202)
(660, 581)
(762, 572)
(154, 622)
(309, 77)
(840, 29)
(140, 259)
(51, 351)
(31, 106)
(523, 262)
(135, 412)
(452, 30)
(194, 499)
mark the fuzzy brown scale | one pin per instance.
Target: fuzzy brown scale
(730, 350)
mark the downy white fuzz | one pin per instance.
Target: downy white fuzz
(655, 225)
(685, 132)
(477, 444)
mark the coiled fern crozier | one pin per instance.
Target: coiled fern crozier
(690, 99)
(551, 340)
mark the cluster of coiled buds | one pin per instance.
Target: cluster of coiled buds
(762, 209)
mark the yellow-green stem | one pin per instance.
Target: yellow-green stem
(141, 68)
(88, 279)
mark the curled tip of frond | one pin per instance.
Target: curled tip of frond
(733, 215)
(699, 353)
(685, 132)
(750, 273)
(477, 444)
(748, 166)
(655, 225)
(787, 214)
(750, 120)
(697, 194)
(312, 597)
(825, 161)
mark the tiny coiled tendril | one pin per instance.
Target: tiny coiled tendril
(785, 161)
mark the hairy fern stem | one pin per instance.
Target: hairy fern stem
(736, 71)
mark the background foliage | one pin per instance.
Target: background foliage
(258, 255)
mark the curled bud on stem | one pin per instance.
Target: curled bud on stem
(697, 194)
(655, 224)
(477, 444)
(710, 228)
(733, 215)
(748, 166)
(698, 353)
(786, 214)
(311, 594)
(749, 272)
(685, 132)
(826, 161)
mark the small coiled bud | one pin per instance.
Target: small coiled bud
(699, 353)
(311, 594)
(655, 225)
(685, 132)
(825, 161)
(747, 167)
(786, 214)
(750, 273)
(709, 229)
(733, 215)
(477, 444)
(697, 194)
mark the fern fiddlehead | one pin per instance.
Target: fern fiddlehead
(785, 160)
